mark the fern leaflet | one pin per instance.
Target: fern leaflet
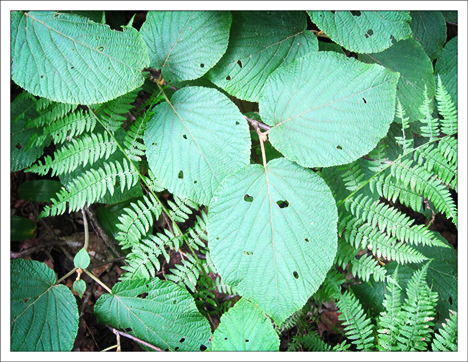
(447, 338)
(446, 109)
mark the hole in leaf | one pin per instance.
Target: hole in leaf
(182, 340)
(246, 340)
(248, 198)
(202, 348)
(42, 76)
(333, 11)
(181, 175)
(237, 123)
(356, 13)
(364, 100)
(185, 136)
(194, 182)
(175, 301)
(128, 329)
(56, 15)
(225, 338)
(73, 49)
(26, 300)
(100, 48)
(72, 68)
(154, 144)
(202, 65)
(175, 349)
(247, 252)
(167, 350)
(228, 77)
(450, 300)
(18, 146)
(240, 63)
(369, 33)
(143, 295)
(296, 275)
(339, 147)
(282, 204)
(307, 240)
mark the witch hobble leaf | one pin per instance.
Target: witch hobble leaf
(273, 234)
(430, 31)
(447, 68)
(245, 328)
(159, 312)
(186, 44)
(260, 42)
(195, 141)
(326, 109)
(44, 316)
(363, 31)
(69, 59)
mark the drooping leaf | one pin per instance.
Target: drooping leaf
(159, 312)
(39, 190)
(82, 259)
(79, 286)
(273, 234)
(409, 59)
(69, 59)
(447, 68)
(195, 141)
(260, 42)
(44, 316)
(245, 328)
(430, 31)
(326, 109)
(363, 31)
(186, 44)
(21, 228)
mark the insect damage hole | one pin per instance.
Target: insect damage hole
(248, 198)
(356, 13)
(203, 348)
(182, 340)
(181, 175)
(282, 204)
(339, 147)
(247, 252)
(143, 295)
(239, 63)
(369, 33)
(184, 136)
(365, 102)
(228, 77)
(202, 65)
(296, 275)
(100, 48)
(306, 240)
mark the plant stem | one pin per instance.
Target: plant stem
(115, 331)
(261, 137)
(86, 231)
(91, 275)
(66, 275)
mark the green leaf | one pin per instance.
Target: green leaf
(186, 44)
(159, 312)
(39, 190)
(195, 141)
(44, 316)
(330, 47)
(245, 328)
(326, 109)
(82, 259)
(69, 59)
(409, 59)
(363, 31)
(108, 216)
(21, 228)
(273, 234)
(79, 286)
(260, 42)
(430, 31)
(450, 16)
(447, 67)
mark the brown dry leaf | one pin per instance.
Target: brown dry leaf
(328, 321)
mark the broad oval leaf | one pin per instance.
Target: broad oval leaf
(273, 234)
(82, 259)
(430, 31)
(447, 68)
(326, 109)
(159, 312)
(260, 42)
(416, 73)
(186, 44)
(70, 59)
(245, 328)
(44, 316)
(363, 31)
(195, 140)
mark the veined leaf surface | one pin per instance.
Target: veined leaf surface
(273, 234)
(363, 31)
(186, 44)
(245, 328)
(430, 31)
(69, 59)
(326, 109)
(159, 312)
(195, 141)
(260, 42)
(447, 68)
(44, 316)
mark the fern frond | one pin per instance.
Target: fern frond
(196, 237)
(152, 182)
(186, 273)
(50, 111)
(90, 187)
(88, 149)
(377, 157)
(431, 124)
(418, 312)
(180, 209)
(112, 113)
(390, 220)
(345, 252)
(359, 328)
(390, 320)
(421, 181)
(312, 342)
(446, 109)
(366, 266)
(352, 175)
(405, 140)
(137, 219)
(331, 287)
(447, 337)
